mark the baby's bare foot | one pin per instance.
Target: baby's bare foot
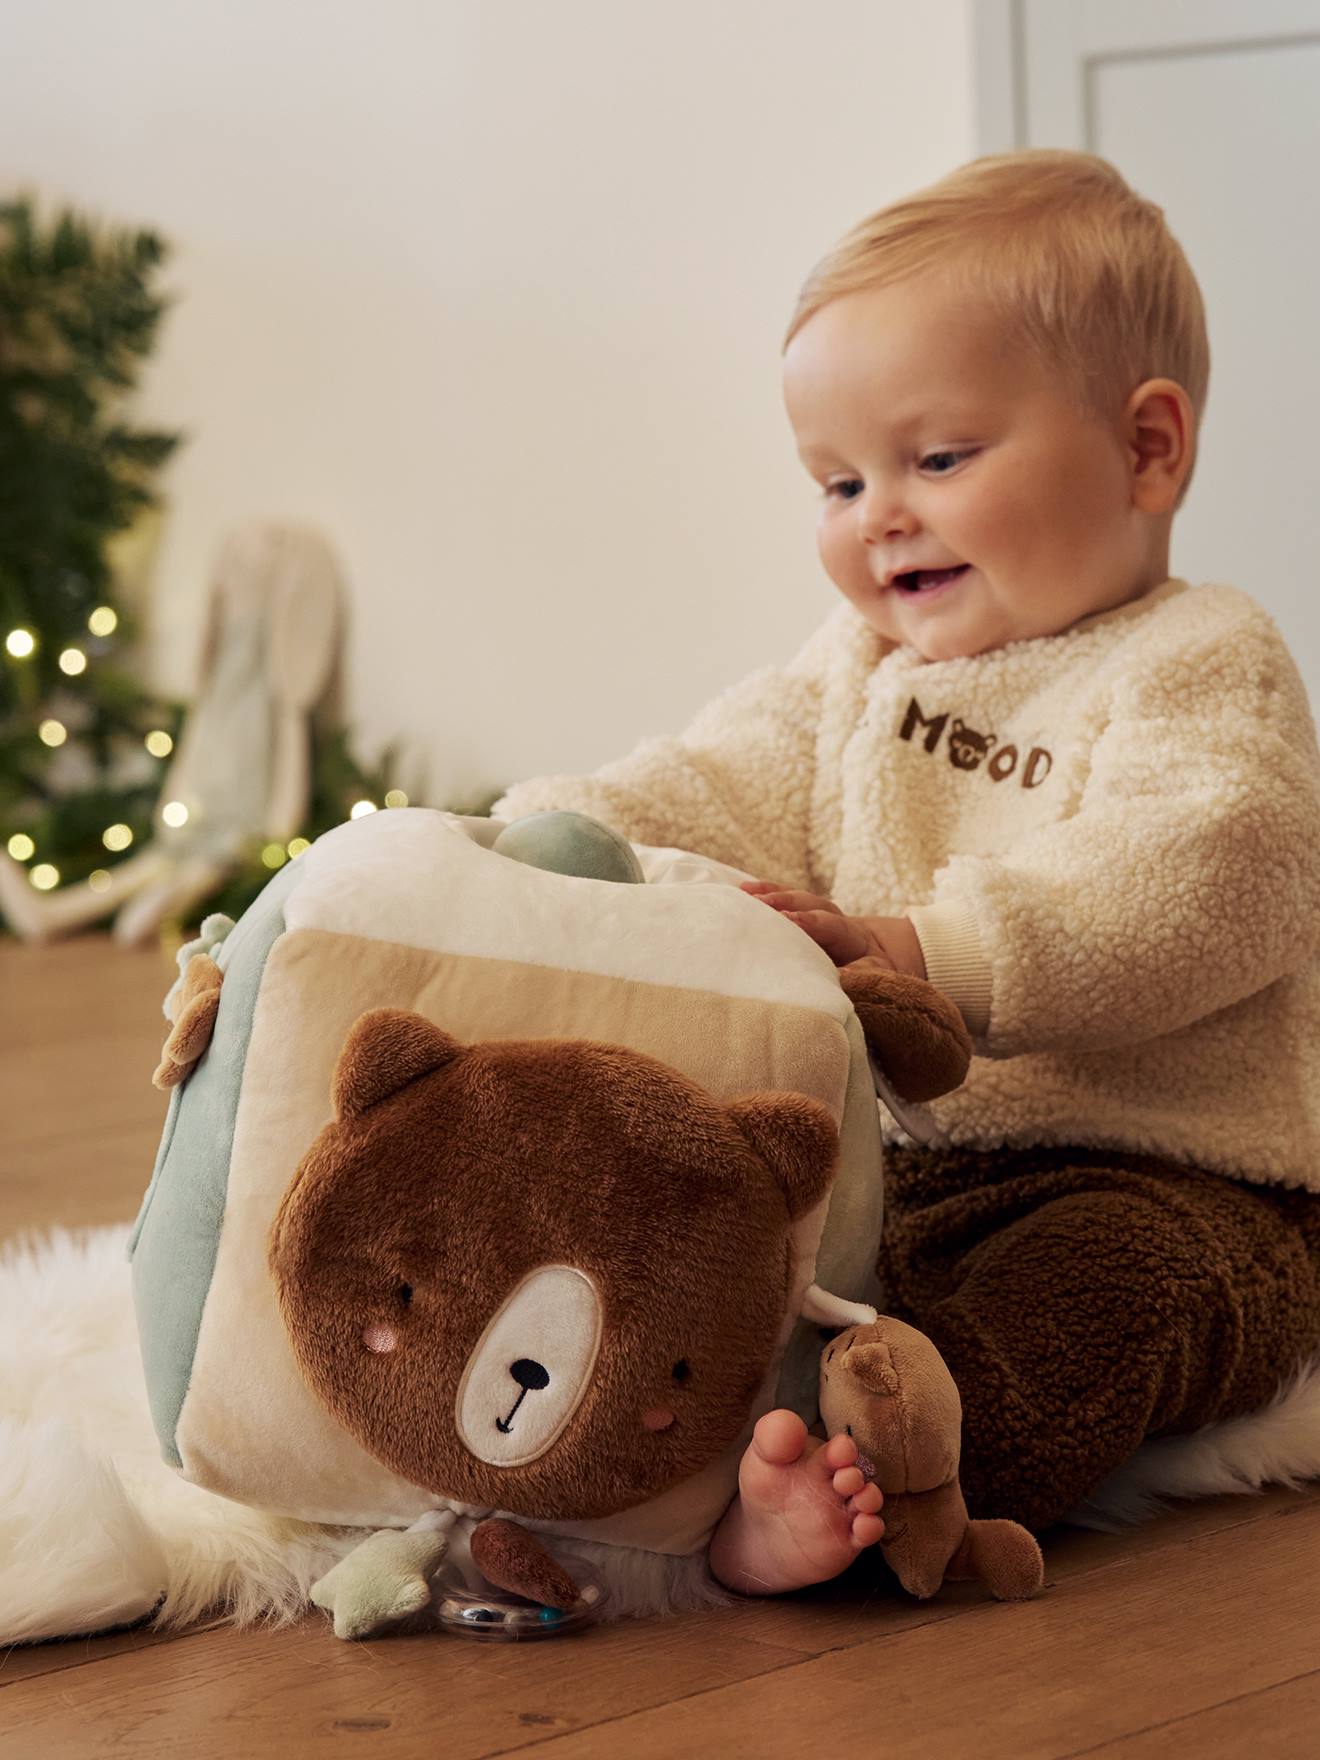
(803, 1513)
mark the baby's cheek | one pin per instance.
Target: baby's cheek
(378, 1337)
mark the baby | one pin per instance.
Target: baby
(1079, 797)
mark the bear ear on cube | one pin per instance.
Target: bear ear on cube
(796, 1139)
(915, 1034)
(198, 1005)
(387, 1048)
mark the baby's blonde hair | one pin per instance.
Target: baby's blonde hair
(1081, 269)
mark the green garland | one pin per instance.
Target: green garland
(79, 314)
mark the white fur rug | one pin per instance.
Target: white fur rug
(96, 1532)
(95, 1529)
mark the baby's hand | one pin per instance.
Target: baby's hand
(843, 938)
(889, 942)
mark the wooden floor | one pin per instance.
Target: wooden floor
(1196, 1635)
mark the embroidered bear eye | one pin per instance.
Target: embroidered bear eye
(681, 1370)
(404, 1293)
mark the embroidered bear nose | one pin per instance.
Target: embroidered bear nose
(529, 1375)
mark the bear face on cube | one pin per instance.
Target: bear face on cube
(543, 1276)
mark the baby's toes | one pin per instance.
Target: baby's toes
(839, 1451)
(867, 1501)
(779, 1438)
(848, 1480)
(866, 1530)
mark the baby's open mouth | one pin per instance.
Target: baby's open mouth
(921, 580)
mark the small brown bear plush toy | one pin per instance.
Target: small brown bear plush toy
(887, 1386)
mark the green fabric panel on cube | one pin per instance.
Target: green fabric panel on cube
(177, 1234)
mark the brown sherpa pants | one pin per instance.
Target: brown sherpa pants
(1085, 1299)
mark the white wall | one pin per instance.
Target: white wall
(493, 292)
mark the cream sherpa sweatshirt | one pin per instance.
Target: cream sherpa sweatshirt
(1108, 841)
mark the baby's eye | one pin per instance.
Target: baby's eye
(932, 458)
(845, 489)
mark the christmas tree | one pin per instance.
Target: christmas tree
(80, 740)
(82, 743)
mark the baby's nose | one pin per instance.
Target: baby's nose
(881, 515)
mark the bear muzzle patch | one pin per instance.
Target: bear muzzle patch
(531, 1367)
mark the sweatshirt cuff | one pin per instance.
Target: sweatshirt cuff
(955, 962)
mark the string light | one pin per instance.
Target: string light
(297, 846)
(174, 813)
(116, 837)
(44, 876)
(21, 846)
(53, 733)
(396, 798)
(73, 661)
(21, 643)
(103, 621)
(274, 855)
(159, 743)
(362, 808)
(99, 879)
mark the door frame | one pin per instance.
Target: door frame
(1036, 62)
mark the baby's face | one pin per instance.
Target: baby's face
(939, 448)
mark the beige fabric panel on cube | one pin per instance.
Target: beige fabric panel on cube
(417, 874)
(250, 1428)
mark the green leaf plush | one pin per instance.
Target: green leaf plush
(382, 1581)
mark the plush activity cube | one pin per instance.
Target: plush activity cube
(490, 1192)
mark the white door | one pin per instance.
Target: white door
(1212, 109)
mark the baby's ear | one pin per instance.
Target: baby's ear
(386, 1048)
(796, 1139)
